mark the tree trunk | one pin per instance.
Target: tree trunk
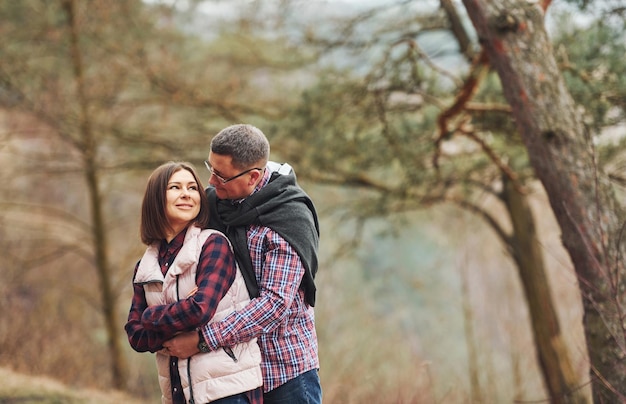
(470, 340)
(561, 152)
(558, 374)
(88, 150)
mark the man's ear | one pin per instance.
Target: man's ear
(254, 176)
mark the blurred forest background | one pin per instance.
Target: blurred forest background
(396, 127)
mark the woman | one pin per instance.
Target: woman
(187, 277)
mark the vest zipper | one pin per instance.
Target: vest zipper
(191, 400)
(230, 353)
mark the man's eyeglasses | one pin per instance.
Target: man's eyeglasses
(225, 180)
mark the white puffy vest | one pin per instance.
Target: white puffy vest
(214, 374)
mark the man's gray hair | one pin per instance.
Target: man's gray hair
(246, 144)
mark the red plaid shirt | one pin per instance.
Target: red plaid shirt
(149, 327)
(279, 317)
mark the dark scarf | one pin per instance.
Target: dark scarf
(282, 206)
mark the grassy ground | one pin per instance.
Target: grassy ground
(23, 389)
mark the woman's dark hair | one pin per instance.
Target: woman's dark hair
(154, 223)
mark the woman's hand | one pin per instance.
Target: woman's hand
(183, 345)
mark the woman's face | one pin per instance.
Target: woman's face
(182, 201)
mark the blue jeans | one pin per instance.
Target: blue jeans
(303, 389)
(236, 399)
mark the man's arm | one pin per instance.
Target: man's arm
(279, 285)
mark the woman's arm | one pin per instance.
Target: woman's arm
(215, 274)
(140, 339)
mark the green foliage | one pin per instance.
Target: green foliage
(340, 121)
(594, 69)
(379, 133)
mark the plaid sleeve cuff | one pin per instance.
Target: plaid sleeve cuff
(210, 333)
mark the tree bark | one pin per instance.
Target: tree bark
(562, 154)
(558, 374)
(472, 355)
(88, 150)
(456, 26)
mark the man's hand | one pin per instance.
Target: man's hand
(183, 345)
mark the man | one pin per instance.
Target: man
(273, 227)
